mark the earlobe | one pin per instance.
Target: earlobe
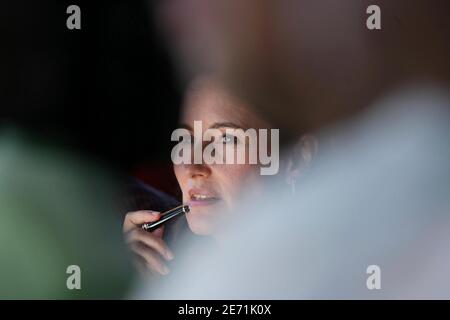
(309, 146)
(291, 175)
(301, 158)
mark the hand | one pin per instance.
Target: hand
(150, 249)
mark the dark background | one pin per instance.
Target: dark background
(107, 91)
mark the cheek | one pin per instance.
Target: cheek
(176, 170)
(234, 178)
(181, 177)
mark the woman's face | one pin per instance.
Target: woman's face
(211, 188)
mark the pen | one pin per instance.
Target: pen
(165, 217)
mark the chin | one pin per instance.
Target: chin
(199, 225)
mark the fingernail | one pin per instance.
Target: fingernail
(169, 255)
(154, 212)
(165, 270)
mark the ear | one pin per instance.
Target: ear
(301, 156)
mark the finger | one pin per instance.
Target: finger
(140, 264)
(150, 240)
(158, 232)
(137, 218)
(151, 257)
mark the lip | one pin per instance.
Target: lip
(202, 197)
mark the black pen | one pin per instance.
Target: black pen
(165, 217)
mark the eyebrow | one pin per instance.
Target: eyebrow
(215, 125)
(218, 125)
(185, 126)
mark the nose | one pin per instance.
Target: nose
(197, 170)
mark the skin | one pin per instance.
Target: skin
(222, 184)
(210, 104)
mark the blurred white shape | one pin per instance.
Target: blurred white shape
(380, 196)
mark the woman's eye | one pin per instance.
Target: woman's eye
(229, 139)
